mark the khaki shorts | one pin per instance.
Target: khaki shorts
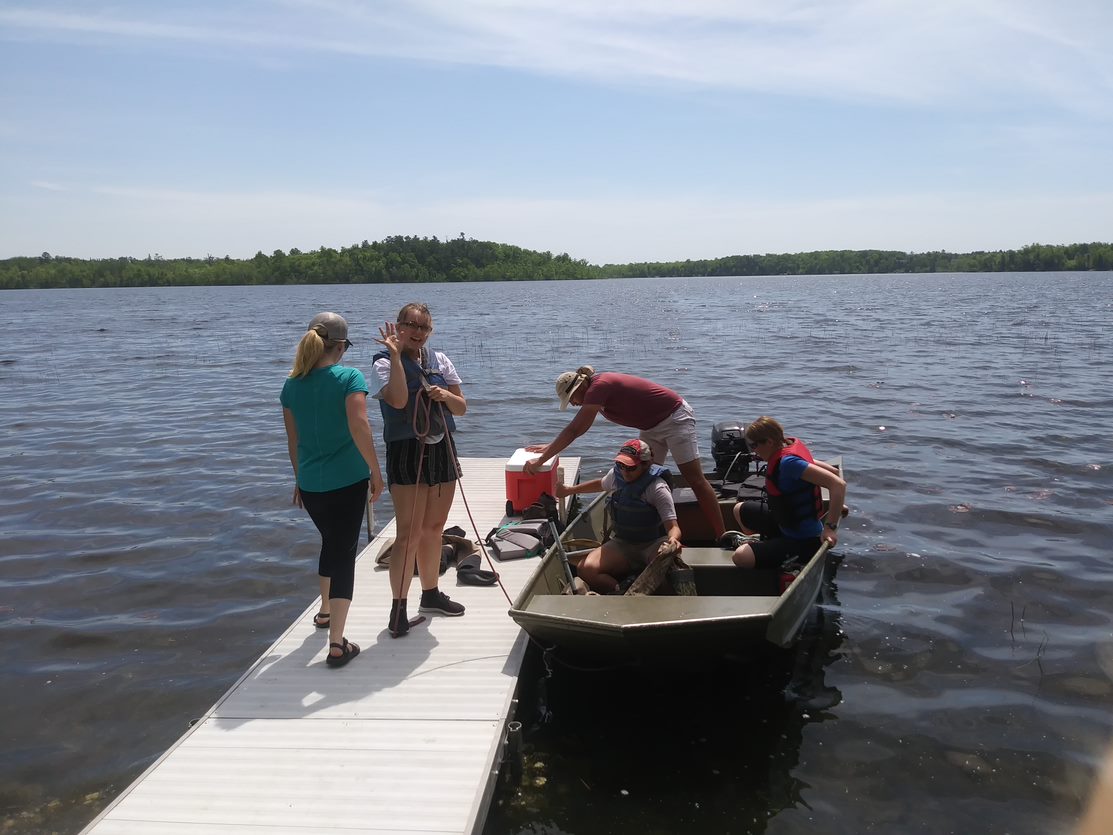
(676, 434)
(638, 554)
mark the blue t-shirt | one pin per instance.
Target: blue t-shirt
(789, 480)
(327, 456)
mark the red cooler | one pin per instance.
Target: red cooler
(522, 490)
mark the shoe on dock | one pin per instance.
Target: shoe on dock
(436, 601)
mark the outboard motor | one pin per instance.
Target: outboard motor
(728, 448)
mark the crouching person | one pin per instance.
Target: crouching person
(644, 517)
(793, 524)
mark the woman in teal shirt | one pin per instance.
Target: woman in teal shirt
(324, 407)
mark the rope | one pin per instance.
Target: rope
(422, 423)
(421, 435)
(467, 507)
(409, 537)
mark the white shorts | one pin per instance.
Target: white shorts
(676, 434)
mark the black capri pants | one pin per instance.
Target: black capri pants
(338, 515)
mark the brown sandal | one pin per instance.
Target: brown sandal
(321, 620)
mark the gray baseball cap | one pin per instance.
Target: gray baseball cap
(330, 326)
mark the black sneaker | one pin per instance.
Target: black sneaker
(437, 601)
(733, 540)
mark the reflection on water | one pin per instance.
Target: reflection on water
(664, 750)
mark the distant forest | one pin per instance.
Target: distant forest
(416, 259)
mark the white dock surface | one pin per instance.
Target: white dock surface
(404, 739)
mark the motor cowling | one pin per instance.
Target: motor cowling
(729, 450)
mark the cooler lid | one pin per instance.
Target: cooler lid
(518, 460)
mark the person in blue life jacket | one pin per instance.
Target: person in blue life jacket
(644, 517)
(324, 408)
(791, 522)
(419, 395)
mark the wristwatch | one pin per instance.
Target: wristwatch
(829, 525)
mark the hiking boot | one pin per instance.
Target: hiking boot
(437, 601)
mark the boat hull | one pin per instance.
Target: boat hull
(734, 613)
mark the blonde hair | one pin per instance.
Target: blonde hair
(311, 348)
(309, 353)
(765, 429)
(414, 307)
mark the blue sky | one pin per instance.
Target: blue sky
(612, 130)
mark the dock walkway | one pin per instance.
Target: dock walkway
(405, 739)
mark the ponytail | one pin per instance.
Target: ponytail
(308, 354)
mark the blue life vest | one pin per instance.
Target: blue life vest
(398, 424)
(635, 519)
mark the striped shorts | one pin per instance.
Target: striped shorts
(438, 462)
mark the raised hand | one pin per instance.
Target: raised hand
(389, 338)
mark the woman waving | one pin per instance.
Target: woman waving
(419, 396)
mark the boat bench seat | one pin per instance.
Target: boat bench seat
(617, 610)
(706, 556)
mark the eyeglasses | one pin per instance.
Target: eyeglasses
(626, 467)
(415, 326)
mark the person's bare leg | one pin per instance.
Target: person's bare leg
(409, 509)
(705, 495)
(743, 557)
(338, 608)
(736, 512)
(438, 503)
(437, 506)
(603, 568)
(324, 583)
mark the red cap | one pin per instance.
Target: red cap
(634, 452)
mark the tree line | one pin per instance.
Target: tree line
(420, 259)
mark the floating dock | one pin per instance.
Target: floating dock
(405, 739)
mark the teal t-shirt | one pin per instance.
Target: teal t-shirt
(327, 456)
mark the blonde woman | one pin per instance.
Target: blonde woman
(324, 406)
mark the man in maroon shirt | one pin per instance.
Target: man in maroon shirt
(664, 420)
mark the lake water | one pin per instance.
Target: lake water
(958, 679)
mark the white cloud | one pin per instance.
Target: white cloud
(942, 52)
